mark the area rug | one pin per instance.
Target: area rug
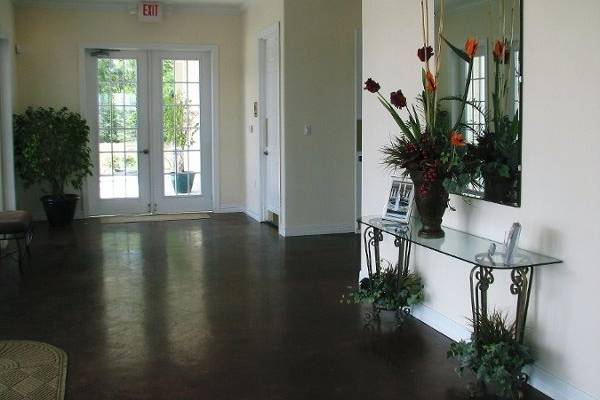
(153, 218)
(31, 371)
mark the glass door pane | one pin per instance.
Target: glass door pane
(118, 128)
(181, 127)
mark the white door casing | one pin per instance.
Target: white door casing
(269, 114)
(157, 190)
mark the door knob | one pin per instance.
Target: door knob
(266, 153)
(145, 151)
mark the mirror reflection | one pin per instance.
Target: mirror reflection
(492, 118)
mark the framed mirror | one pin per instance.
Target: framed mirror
(492, 118)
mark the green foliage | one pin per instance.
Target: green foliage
(389, 289)
(179, 120)
(493, 354)
(52, 147)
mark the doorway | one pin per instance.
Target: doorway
(150, 114)
(269, 124)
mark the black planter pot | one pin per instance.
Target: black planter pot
(431, 203)
(60, 210)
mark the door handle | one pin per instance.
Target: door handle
(145, 151)
(266, 153)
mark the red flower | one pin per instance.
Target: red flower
(372, 86)
(398, 99)
(425, 53)
(471, 47)
(499, 50)
(430, 84)
(457, 139)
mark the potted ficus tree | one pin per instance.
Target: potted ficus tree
(52, 149)
(181, 126)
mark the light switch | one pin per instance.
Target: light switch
(307, 130)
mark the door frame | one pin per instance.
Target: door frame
(7, 180)
(215, 122)
(272, 32)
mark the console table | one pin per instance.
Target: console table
(466, 247)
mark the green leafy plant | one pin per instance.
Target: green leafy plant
(52, 147)
(388, 289)
(493, 354)
(180, 121)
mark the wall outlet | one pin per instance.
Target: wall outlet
(307, 130)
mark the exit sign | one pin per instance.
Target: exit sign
(149, 11)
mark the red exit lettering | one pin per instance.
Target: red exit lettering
(150, 10)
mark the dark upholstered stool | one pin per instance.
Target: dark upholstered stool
(17, 226)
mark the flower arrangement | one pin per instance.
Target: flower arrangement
(431, 148)
(498, 147)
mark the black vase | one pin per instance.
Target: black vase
(60, 210)
(432, 200)
(498, 189)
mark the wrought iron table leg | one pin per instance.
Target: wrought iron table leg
(481, 279)
(372, 237)
(521, 287)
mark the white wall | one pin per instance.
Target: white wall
(560, 180)
(48, 69)
(259, 15)
(319, 91)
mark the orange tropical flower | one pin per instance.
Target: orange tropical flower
(430, 84)
(499, 50)
(457, 139)
(471, 47)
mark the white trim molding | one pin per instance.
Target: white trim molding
(215, 99)
(7, 183)
(540, 379)
(309, 230)
(252, 214)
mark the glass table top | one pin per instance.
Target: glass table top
(461, 245)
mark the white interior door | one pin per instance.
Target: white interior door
(118, 118)
(181, 135)
(270, 120)
(151, 122)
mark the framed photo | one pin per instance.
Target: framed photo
(399, 203)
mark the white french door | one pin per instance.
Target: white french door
(151, 121)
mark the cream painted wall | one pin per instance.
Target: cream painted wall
(258, 16)
(48, 69)
(561, 194)
(319, 90)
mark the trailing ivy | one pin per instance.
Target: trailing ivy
(389, 289)
(494, 356)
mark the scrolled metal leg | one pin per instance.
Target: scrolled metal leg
(481, 279)
(19, 255)
(521, 287)
(371, 238)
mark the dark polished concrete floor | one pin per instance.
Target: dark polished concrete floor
(214, 309)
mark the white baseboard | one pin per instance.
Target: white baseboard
(229, 209)
(540, 379)
(254, 215)
(308, 230)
